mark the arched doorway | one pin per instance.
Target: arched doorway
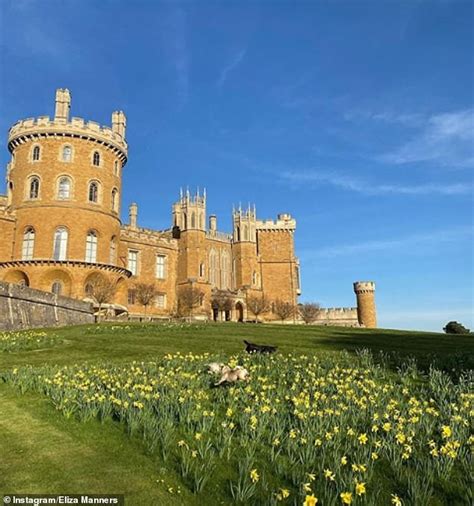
(239, 309)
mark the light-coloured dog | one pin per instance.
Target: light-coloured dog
(229, 375)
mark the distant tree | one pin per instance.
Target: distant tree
(102, 290)
(145, 293)
(257, 305)
(456, 328)
(189, 298)
(221, 301)
(284, 309)
(309, 311)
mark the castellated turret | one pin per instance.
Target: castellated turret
(64, 183)
(366, 312)
(245, 224)
(189, 213)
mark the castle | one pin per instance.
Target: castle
(61, 232)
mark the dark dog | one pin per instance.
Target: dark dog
(259, 348)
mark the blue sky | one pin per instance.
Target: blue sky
(355, 117)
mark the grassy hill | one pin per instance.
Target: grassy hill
(45, 452)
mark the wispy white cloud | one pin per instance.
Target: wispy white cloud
(231, 65)
(176, 47)
(385, 116)
(446, 139)
(406, 243)
(345, 182)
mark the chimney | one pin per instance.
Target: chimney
(213, 222)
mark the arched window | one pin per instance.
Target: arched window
(114, 200)
(116, 168)
(93, 191)
(255, 278)
(185, 221)
(60, 244)
(202, 270)
(67, 154)
(238, 234)
(10, 193)
(89, 289)
(91, 247)
(64, 188)
(96, 159)
(34, 188)
(193, 220)
(28, 244)
(57, 287)
(113, 250)
(35, 156)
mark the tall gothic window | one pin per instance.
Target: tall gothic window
(93, 192)
(225, 270)
(193, 220)
(91, 247)
(67, 154)
(36, 153)
(64, 188)
(60, 244)
(213, 267)
(28, 244)
(96, 159)
(34, 188)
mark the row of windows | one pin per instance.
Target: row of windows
(60, 243)
(64, 191)
(161, 266)
(67, 154)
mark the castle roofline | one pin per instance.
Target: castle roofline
(44, 126)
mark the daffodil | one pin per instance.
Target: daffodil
(310, 500)
(346, 497)
(254, 476)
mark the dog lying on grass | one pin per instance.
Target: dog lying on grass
(228, 375)
(259, 348)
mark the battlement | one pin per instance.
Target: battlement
(341, 316)
(76, 127)
(283, 222)
(61, 126)
(364, 286)
(219, 236)
(148, 235)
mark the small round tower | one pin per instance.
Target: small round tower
(366, 312)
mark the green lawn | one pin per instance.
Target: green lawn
(43, 452)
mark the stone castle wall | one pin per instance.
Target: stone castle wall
(23, 308)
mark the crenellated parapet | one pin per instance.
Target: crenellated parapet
(284, 222)
(43, 127)
(149, 236)
(215, 235)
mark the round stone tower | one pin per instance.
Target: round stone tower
(64, 187)
(366, 312)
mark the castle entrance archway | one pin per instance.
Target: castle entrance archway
(239, 309)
